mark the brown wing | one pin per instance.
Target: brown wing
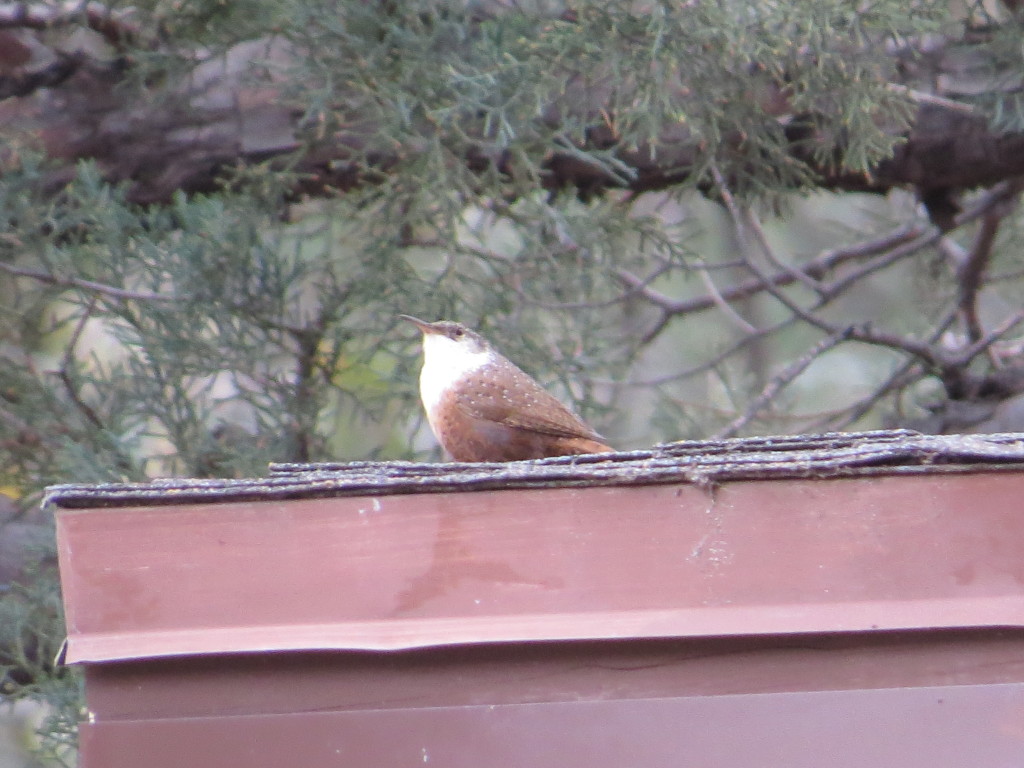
(513, 399)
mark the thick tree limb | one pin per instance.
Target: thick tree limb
(223, 114)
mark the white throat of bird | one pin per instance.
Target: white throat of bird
(445, 361)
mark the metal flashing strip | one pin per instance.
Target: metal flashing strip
(1003, 612)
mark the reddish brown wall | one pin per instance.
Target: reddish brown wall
(854, 622)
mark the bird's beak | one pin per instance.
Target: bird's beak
(423, 325)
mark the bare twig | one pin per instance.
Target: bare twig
(905, 373)
(724, 306)
(998, 195)
(894, 246)
(743, 220)
(718, 359)
(806, 315)
(971, 272)
(64, 372)
(981, 345)
(884, 261)
(815, 268)
(614, 170)
(640, 286)
(926, 352)
(922, 97)
(87, 285)
(636, 286)
(889, 249)
(923, 351)
(781, 380)
(909, 371)
(753, 223)
(655, 330)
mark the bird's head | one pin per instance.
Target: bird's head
(451, 343)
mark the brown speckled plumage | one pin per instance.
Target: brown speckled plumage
(501, 414)
(496, 412)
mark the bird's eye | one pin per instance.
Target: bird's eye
(458, 333)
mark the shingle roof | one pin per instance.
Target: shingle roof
(703, 462)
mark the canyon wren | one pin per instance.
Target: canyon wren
(482, 407)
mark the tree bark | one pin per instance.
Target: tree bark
(185, 134)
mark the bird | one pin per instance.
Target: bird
(483, 407)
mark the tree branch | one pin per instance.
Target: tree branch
(966, 355)
(724, 307)
(86, 285)
(224, 113)
(64, 372)
(780, 381)
(816, 268)
(739, 223)
(971, 270)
